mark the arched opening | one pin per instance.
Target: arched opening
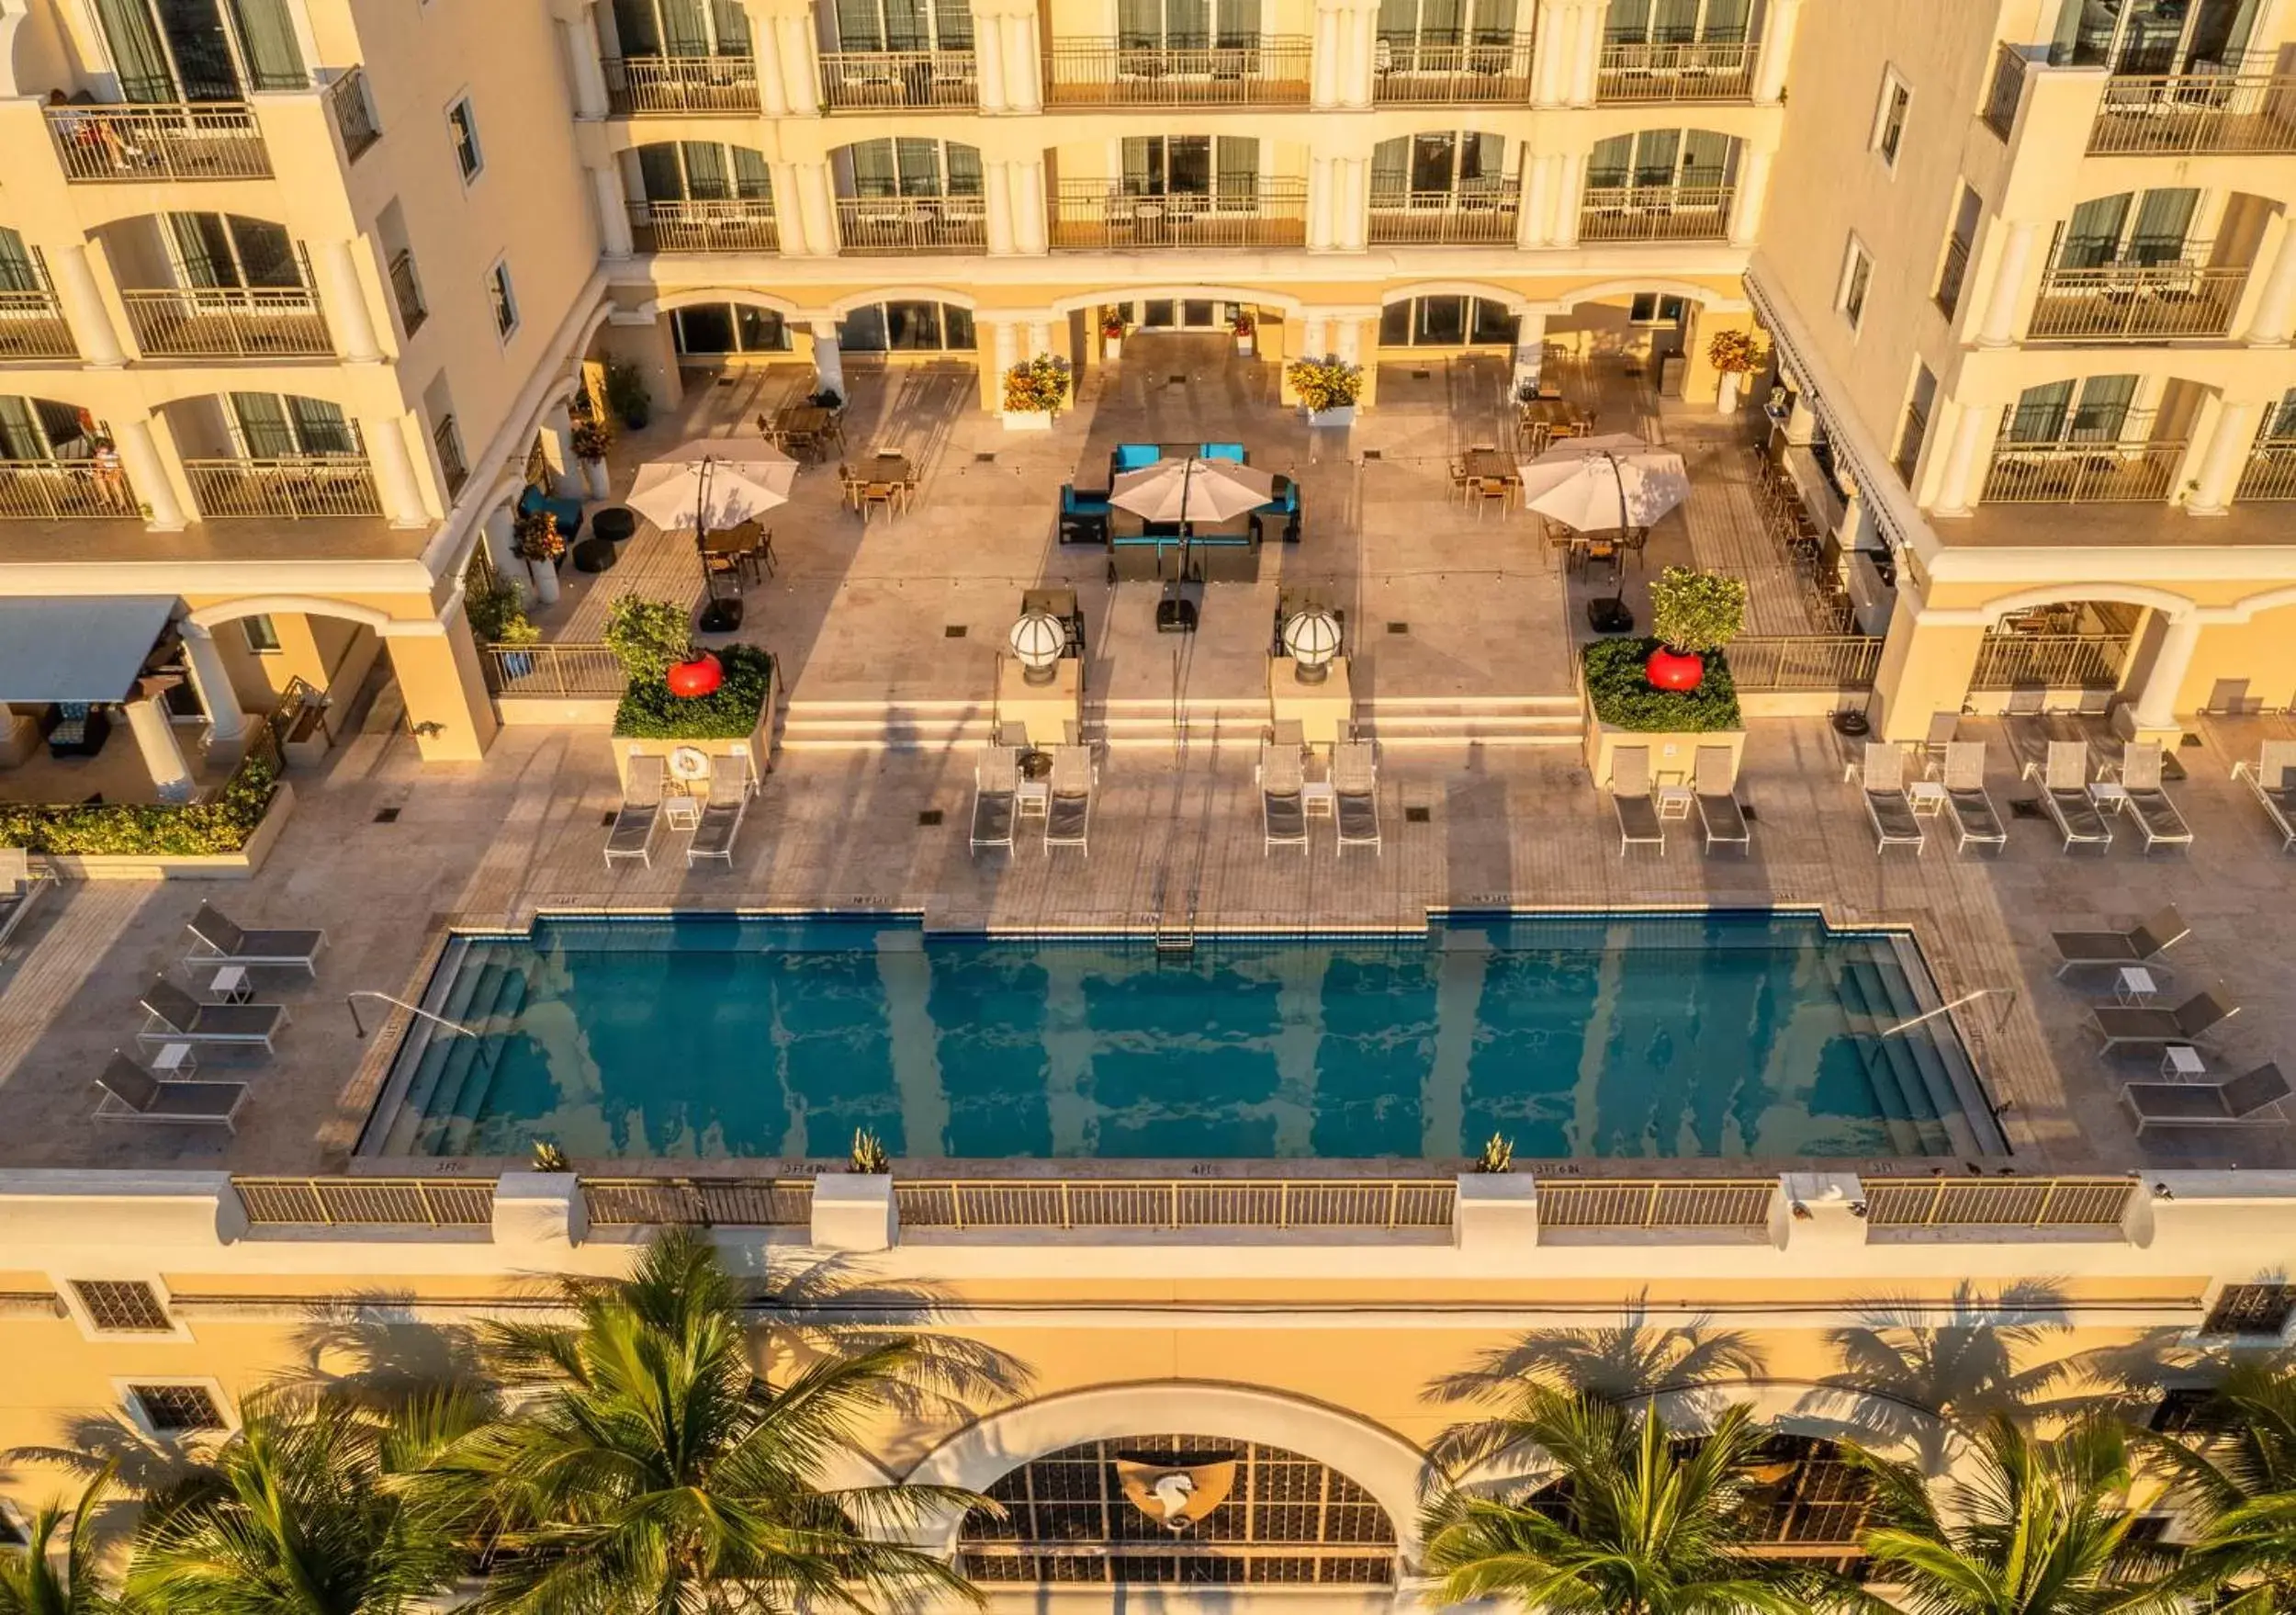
(702, 197)
(2167, 262)
(58, 463)
(1661, 185)
(199, 286)
(1179, 1510)
(2118, 438)
(2270, 472)
(2061, 653)
(1178, 191)
(1447, 321)
(1451, 186)
(907, 194)
(906, 325)
(270, 454)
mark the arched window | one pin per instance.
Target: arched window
(1180, 1510)
(715, 329)
(176, 52)
(681, 27)
(1447, 164)
(906, 328)
(904, 25)
(2159, 37)
(910, 166)
(2133, 228)
(703, 170)
(1445, 321)
(212, 250)
(1662, 158)
(1675, 22)
(1410, 28)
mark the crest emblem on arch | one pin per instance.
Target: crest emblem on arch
(1176, 1496)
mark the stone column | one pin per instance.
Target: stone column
(1315, 337)
(557, 447)
(344, 295)
(1351, 214)
(590, 74)
(789, 212)
(614, 210)
(1359, 35)
(1547, 56)
(1586, 55)
(2156, 708)
(155, 738)
(84, 308)
(1350, 341)
(213, 680)
(1963, 476)
(1753, 185)
(1572, 182)
(997, 190)
(1926, 668)
(2274, 319)
(1534, 206)
(1320, 205)
(1004, 344)
(443, 689)
(828, 365)
(801, 64)
(997, 358)
(147, 474)
(1530, 350)
(1024, 77)
(498, 536)
(394, 471)
(2222, 462)
(765, 44)
(1323, 62)
(817, 199)
(988, 62)
(1039, 338)
(1030, 237)
(1776, 50)
(2009, 285)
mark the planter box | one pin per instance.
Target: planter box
(239, 866)
(757, 746)
(1674, 752)
(1339, 419)
(1111, 348)
(1028, 420)
(594, 480)
(1243, 345)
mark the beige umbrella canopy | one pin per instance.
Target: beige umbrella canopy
(713, 483)
(1192, 491)
(1592, 484)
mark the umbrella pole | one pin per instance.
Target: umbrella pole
(1610, 616)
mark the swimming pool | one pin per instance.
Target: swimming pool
(1620, 1036)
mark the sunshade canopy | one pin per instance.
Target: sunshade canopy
(1595, 483)
(745, 477)
(1192, 491)
(77, 649)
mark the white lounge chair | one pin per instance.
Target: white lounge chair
(1887, 807)
(18, 889)
(2137, 945)
(2157, 816)
(1634, 802)
(2272, 781)
(1715, 787)
(1942, 725)
(217, 941)
(133, 1094)
(639, 820)
(1975, 820)
(995, 792)
(177, 1017)
(722, 812)
(2065, 795)
(1069, 812)
(1283, 798)
(1355, 793)
(2251, 1097)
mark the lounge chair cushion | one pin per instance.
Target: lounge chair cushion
(1287, 814)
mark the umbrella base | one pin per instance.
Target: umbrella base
(721, 617)
(1610, 615)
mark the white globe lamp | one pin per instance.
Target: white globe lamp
(1038, 641)
(1312, 639)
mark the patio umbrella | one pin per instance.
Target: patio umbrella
(713, 483)
(1595, 483)
(1192, 491)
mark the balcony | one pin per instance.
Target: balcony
(2270, 473)
(31, 323)
(111, 144)
(1706, 70)
(1495, 70)
(2128, 469)
(228, 322)
(704, 227)
(2134, 302)
(654, 86)
(353, 113)
(893, 225)
(1089, 216)
(292, 488)
(59, 490)
(1483, 218)
(1101, 72)
(874, 80)
(407, 291)
(2195, 114)
(1655, 212)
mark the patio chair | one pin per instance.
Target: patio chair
(1977, 822)
(2135, 945)
(18, 889)
(2272, 781)
(1355, 795)
(1068, 808)
(640, 815)
(2065, 795)
(1715, 785)
(1887, 807)
(216, 941)
(722, 812)
(177, 1017)
(133, 1094)
(849, 487)
(884, 494)
(2157, 816)
(1283, 796)
(1633, 801)
(2151, 1026)
(995, 790)
(2252, 1097)
(1083, 517)
(77, 728)
(1282, 512)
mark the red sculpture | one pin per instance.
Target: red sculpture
(700, 676)
(1668, 670)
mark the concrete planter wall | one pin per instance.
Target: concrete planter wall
(757, 746)
(239, 866)
(1674, 752)
(1333, 420)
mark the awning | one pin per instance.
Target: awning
(67, 649)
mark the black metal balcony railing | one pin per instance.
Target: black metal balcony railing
(1911, 435)
(1951, 278)
(32, 325)
(2006, 93)
(1101, 72)
(289, 487)
(869, 81)
(912, 224)
(732, 226)
(1655, 212)
(2125, 302)
(113, 144)
(2129, 467)
(1445, 218)
(2196, 113)
(648, 86)
(355, 114)
(58, 490)
(407, 291)
(2271, 470)
(447, 440)
(1706, 70)
(1089, 214)
(1495, 70)
(228, 322)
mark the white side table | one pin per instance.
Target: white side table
(2180, 1062)
(231, 986)
(1929, 797)
(2135, 985)
(1674, 801)
(2109, 797)
(174, 1060)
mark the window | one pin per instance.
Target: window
(124, 1307)
(504, 297)
(168, 50)
(2053, 413)
(2159, 37)
(904, 25)
(1857, 276)
(270, 425)
(2280, 420)
(223, 250)
(407, 291)
(2135, 228)
(681, 27)
(1676, 22)
(1649, 309)
(262, 635)
(168, 1410)
(1954, 272)
(2251, 1309)
(42, 430)
(1455, 164)
(463, 125)
(447, 439)
(707, 329)
(1889, 122)
(703, 170)
(1445, 321)
(1187, 25)
(1409, 27)
(1662, 158)
(1915, 431)
(1191, 165)
(913, 167)
(906, 327)
(2179, 1409)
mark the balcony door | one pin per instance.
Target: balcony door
(1676, 22)
(1662, 159)
(1188, 24)
(169, 51)
(19, 272)
(1407, 26)
(904, 25)
(1452, 166)
(2095, 410)
(681, 27)
(2133, 228)
(2153, 37)
(209, 250)
(1225, 167)
(270, 426)
(703, 170)
(910, 166)
(41, 431)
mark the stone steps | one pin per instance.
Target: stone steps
(1124, 723)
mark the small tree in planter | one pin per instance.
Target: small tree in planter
(628, 397)
(535, 539)
(1734, 355)
(1327, 387)
(648, 636)
(1034, 392)
(1692, 613)
(1112, 332)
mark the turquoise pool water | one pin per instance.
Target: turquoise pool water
(1613, 1036)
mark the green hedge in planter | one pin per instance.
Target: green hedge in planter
(1624, 697)
(649, 712)
(193, 829)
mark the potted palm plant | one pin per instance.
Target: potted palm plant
(1734, 357)
(1327, 389)
(1034, 392)
(1692, 614)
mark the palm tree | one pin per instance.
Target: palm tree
(1642, 1522)
(2040, 1529)
(35, 1581)
(653, 1471)
(298, 1514)
(2234, 1474)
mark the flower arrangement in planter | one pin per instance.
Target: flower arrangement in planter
(1692, 614)
(536, 540)
(1246, 332)
(590, 437)
(1735, 355)
(1034, 392)
(1113, 324)
(1327, 389)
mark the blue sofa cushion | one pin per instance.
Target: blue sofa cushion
(567, 511)
(1074, 503)
(1231, 452)
(1134, 457)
